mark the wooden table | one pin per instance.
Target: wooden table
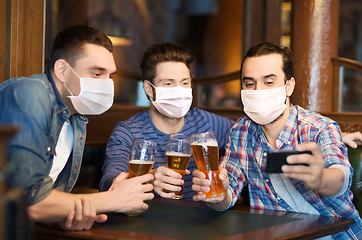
(182, 219)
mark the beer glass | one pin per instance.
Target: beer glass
(178, 153)
(141, 160)
(206, 153)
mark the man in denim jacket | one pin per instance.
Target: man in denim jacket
(45, 156)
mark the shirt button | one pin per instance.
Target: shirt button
(278, 198)
(57, 133)
(267, 180)
(80, 138)
(75, 167)
(264, 154)
(49, 148)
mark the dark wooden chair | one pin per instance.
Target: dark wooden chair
(355, 158)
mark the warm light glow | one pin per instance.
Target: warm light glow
(285, 41)
(119, 41)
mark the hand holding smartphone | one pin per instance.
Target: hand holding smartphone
(277, 158)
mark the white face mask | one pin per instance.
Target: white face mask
(95, 97)
(264, 106)
(173, 102)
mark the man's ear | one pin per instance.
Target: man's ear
(149, 90)
(290, 86)
(60, 69)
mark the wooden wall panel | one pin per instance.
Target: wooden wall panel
(253, 23)
(261, 22)
(273, 18)
(22, 38)
(3, 30)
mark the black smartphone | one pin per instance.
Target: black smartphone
(277, 158)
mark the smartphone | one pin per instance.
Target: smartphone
(277, 158)
(358, 142)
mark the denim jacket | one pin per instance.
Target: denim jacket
(36, 107)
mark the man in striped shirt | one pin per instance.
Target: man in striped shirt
(167, 83)
(272, 122)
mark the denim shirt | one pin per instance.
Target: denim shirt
(36, 107)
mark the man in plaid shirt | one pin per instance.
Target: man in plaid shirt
(272, 122)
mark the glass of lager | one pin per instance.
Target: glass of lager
(178, 153)
(141, 160)
(206, 153)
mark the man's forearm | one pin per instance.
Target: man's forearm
(56, 206)
(53, 208)
(332, 182)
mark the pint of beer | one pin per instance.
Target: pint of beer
(141, 160)
(139, 167)
(206, 153)
(178, 163)
(178, 154)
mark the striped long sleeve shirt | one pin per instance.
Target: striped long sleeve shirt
(141, 126)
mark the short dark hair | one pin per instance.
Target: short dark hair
(267, 48)
(68, 44)
(164, 52)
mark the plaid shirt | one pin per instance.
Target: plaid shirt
(245, 161)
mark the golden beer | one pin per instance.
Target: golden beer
(207, 159)
(138, 168)
(178, 163)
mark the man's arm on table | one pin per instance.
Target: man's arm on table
(123, 196)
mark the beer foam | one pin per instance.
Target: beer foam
(209, 142)
(140, 162)
(177, 154)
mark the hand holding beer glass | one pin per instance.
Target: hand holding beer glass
(178, 154)
(206, 153)
(141, 160)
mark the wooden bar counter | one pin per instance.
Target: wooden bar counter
(183, 219)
